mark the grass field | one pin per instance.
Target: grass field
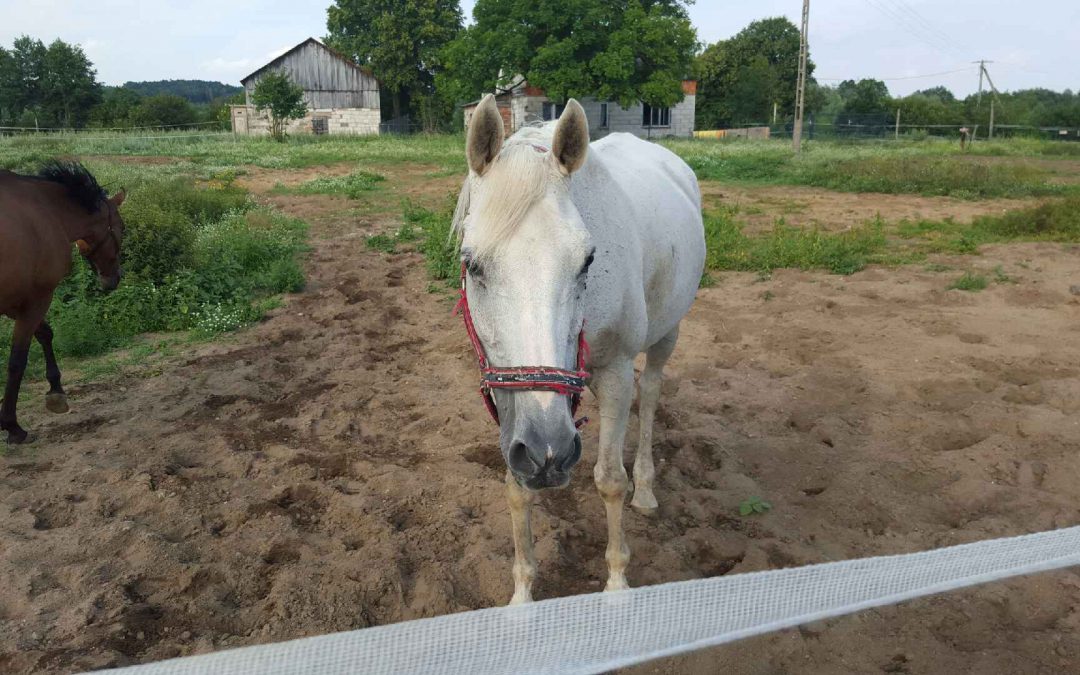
(204, 257)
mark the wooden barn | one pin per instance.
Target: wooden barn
(342, 97)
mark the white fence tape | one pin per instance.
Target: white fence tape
(599, 632)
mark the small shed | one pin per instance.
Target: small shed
(342, 97)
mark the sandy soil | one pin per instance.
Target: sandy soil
(332, 468)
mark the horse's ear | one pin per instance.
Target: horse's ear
(119, 197)
(571, 144)
(83, 247)
(485, 137)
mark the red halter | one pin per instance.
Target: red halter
(532, 378)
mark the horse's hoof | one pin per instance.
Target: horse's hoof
(17, 436)
(644, 503)
(56, 403)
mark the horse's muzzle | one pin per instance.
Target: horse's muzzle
(109, 283)
(537, 472)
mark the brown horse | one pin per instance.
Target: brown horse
(40, 217)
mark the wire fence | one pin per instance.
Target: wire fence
(599, 632)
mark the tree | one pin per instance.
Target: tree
(742, 77)
(400, 40)
(865, 97)
(163, 110)
(48, 86)
(275, 93)
(620, 50)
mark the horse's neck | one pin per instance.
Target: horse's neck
(59, 211)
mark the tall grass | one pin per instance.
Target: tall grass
(729, 248)
(1056, 220)
(930, 169)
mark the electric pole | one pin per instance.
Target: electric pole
(993, 98)
(800, 92)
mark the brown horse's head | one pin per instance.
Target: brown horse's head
(101, 246)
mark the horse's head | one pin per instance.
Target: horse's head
(101, 246)
(526, 253)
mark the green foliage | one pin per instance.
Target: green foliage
(625, 51)
(195, 91)
(353, 185)
(728, 248)
(163, 110)
(381, 242)
(754, 505)
(401, 42)
(53, 86)
(936, 168)
(864, 97)
(742, 77)
(276, 93)
(969, 281)
(435, 241)
(1057, 220)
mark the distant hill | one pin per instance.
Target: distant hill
(196, 91)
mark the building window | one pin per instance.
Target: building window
(655, 117)
(320, 125)
(603, 116)
(553, 111)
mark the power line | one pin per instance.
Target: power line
(930, 39)
(903, 77)
(926, 23)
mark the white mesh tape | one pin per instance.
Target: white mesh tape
(598, 632)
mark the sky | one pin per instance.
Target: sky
(1031, 44)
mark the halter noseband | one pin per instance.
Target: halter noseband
(526, 378)
(110, 233)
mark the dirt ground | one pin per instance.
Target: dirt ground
(333, 467)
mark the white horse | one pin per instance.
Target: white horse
(538, 217)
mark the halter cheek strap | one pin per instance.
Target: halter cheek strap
(528, 378)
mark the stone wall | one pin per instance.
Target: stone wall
(359, 121)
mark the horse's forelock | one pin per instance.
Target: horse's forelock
(516, 180)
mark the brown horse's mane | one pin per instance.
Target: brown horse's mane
(82, 187)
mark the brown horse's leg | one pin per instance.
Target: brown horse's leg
(20, 350)
(56, 399)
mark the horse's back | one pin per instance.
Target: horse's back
(34, 256)
(652, 219)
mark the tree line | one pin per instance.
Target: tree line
(56, 86)
(746, 79)
(429, 63)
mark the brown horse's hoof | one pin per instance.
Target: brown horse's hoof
(17, 436)
(56, 403)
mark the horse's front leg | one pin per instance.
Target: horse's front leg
(521, 500)
(56, 399)
(614, 387)
(20, 350)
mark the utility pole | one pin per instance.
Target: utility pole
(800, 93)
(898, 124)
(993, 90)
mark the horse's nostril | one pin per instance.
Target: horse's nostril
(519, 460)
(572, 456)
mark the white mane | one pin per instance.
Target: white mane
(516, 179)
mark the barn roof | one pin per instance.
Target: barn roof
(338, 55)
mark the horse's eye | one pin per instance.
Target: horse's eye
(474, 268)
